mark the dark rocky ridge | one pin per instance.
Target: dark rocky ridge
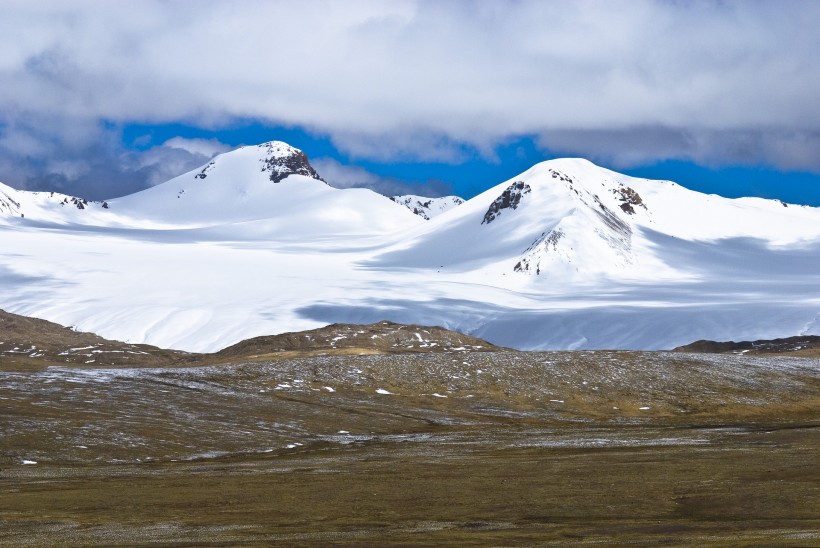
(800, 345)
(509, 199)
(281, 166)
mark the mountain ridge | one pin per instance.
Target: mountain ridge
(564, 255)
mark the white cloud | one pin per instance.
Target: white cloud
(176, 156)
(425, 79)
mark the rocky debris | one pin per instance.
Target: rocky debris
(282, 160)
(805, 344)
(509, 199)
(629, 199)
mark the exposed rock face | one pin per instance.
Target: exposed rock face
(509, 199)
(279, 160)
(282, 160)
(629, 199)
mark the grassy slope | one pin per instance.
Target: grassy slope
(549, 448)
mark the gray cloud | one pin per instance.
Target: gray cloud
(176, 156)
(635, 146)
(339, 175)
(83, 157)
(715, 82)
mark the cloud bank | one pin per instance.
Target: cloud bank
(718, 83)
(346, 176)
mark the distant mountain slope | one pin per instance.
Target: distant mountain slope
(427, 208)
(805, 345)
(49, 206)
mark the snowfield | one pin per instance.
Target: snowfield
(566, 255)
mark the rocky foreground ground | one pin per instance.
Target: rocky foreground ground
(339, 442)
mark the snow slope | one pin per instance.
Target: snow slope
(565, 255)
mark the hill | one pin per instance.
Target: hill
(32, 342)
(806, 345)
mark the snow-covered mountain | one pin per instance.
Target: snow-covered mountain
(272, 189)
(427, 208)
(568, 218)
(564, 255)
(51, 206)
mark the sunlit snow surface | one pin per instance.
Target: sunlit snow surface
(200, 263)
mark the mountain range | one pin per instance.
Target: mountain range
(567, 255)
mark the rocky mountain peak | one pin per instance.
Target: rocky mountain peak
(281, 160)
(276, 158)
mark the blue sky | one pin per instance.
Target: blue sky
(413, 96)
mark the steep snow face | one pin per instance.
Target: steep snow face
(51, 207)
(427, 208)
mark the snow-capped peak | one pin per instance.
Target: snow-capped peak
(272, 186)
(586, 215)
(277, 159)
(281, 160)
